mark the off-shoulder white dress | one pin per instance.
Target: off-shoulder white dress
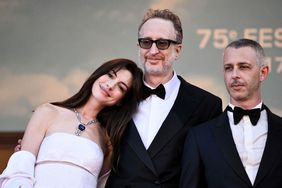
(66, 161)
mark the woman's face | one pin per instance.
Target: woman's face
(110, 88)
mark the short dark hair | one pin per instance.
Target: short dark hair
(166, 15)
(240, 43)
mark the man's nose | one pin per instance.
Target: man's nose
(154, 49)
(235, 73)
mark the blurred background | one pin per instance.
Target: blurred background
(49, 47)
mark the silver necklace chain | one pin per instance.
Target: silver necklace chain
(82, 126)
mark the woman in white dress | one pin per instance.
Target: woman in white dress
(72, 144)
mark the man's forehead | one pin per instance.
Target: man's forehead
(157, 26)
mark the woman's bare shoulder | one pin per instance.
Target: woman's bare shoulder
(48, 108)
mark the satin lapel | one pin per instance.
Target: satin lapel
(224, 140)
(183, 108)
(136, 144)
(272, 151)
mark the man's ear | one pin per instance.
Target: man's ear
(178, 49)
(264, 71)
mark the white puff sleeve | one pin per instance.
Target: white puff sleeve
(19, 171)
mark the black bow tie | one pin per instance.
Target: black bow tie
(159, 91)
(238, 113)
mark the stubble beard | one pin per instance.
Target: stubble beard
(160, 70)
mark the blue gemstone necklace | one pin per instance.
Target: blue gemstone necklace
(82, 126)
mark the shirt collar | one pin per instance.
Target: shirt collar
(257, 106)
(169, 86)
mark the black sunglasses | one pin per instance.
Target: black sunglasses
(162, 44)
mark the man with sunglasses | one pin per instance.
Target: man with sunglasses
(150, 153)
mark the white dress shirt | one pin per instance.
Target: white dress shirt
(250, 140)
(153, 111)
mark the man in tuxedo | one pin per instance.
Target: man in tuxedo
(242, 148)
(151, 150)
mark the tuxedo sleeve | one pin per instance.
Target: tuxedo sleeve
(216, 108)
(192, 173)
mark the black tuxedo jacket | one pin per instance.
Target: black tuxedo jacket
(160, 165)
(211, 159)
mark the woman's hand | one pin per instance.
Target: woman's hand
(18, 147)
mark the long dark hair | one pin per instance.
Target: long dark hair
(113, 118)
